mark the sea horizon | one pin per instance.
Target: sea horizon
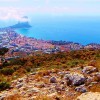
(83, 30)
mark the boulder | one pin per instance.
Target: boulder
(53, 80)
(89, 69)
(81, 89)
(89, 96)
(75, 79)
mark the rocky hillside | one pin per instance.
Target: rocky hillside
(73, 75)
(56, 85)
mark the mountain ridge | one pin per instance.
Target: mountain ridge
(19, 25)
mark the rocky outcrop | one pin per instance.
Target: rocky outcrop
(81, 89)
(89, 69)
(66, 83)
(75, 79)
(89, 96)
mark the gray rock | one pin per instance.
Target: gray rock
(20, 80)
(75, 79)
(94, 77)
(61, 73)
(46, 76)
(40, 85)
(59, 88)
(89, 96)
(81, 89)
(53, 80)
(33, 90)
(89, 69)
(19, 85)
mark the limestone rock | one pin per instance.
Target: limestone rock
(75, 79)
(89, 69)
(89, 96)
(19, 85)
(81, 89)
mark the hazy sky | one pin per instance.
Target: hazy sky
(14, 9)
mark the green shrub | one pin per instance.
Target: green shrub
(5, 64)
(72, 63)
(7, 71)
(28, 69)
(4, 85)
(16, 67)
(17, 61)
(98, 55)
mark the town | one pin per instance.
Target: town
(19, 43)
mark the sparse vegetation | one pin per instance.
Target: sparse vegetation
(7, 71)
(51, 61)
(45, 64)
(4, 85)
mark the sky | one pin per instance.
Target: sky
(15, 9)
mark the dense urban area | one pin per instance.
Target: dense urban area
(19, 43)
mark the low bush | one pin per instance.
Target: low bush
(7, 71)
(4, 85)
(28, 69)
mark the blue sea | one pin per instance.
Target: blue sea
(83, 30)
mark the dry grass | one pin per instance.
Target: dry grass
(60, 97)
(95, 88)
(14, 97)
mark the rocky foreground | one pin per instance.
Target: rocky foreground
(74, 84)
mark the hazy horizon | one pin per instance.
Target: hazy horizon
(15, 9)
(70, 20)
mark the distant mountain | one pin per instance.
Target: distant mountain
(23, 23)
(20, 25)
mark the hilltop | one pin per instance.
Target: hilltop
(64, 75)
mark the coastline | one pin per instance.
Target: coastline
(84, 31)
